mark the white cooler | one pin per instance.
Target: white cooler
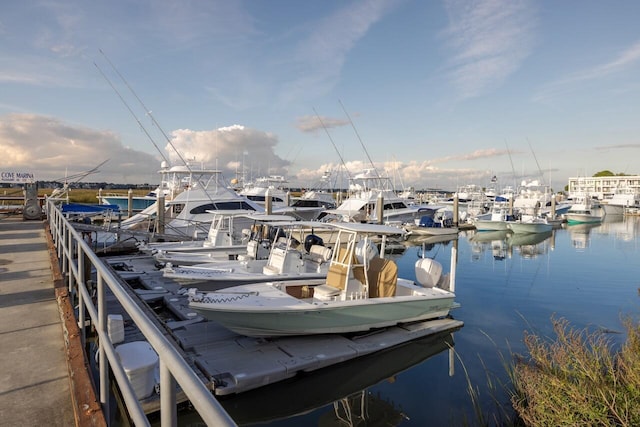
(139, 361)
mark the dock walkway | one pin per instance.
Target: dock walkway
(35, 365)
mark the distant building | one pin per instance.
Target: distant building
(603, 187)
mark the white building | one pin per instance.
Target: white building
(603, 187)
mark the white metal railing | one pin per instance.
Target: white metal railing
(76, 260)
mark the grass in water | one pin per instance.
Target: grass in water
(577, 378)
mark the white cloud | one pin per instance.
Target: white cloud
(53, 149)
(624, 60)
(490, 40)
(314, 123)
(319, 57)
(229, 147)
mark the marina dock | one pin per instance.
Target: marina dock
(45, 371)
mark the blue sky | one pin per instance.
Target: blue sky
(440, 93)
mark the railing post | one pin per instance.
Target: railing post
(168, 405)
(102, 355)
(81, 309)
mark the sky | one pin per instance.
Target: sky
(434, 94)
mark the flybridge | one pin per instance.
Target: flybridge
(16, 177)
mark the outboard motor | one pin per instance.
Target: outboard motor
(366, 252)
(428, 272)
(311, 240)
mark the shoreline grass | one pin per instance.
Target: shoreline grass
(577, 378)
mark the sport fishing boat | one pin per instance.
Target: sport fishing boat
(288, 260)
(359, 293)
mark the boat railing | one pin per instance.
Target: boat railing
(77, 260)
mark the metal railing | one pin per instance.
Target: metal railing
(77, 259)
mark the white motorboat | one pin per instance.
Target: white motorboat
(366, 191)
(287, 260)
(218, 247)
(535, 198)
(196, 195)
(499, 217)
(530, 225)
(358, 294)
(585, 210)
(622, 199)
(441, 224)
(229, 230)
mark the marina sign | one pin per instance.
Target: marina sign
(13, 177)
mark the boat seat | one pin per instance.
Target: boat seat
(252, 251)
(383, 277)
(325, 292)
(348, 282)
(282, 261)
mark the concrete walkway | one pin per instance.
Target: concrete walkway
(35, 387)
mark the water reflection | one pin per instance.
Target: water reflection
(496, 240)
(579, 234)
(532, 245)
(624, 228)
(343, 387)
(428, 243)
(504, 243)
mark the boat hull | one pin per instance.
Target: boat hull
(311, 319)
(489, 225)
(582, 218)
(528, 228)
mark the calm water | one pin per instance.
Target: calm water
(588, 274)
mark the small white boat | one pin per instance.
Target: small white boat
(621, 201)
(372, 199)
(498, 219)
(358, 294)
(585, 210)
(215, 248)
(530, 225)
(441, 224)
(287, 260)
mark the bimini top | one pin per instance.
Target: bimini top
(367, 228)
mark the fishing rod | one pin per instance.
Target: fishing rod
(536, 159)
(360, 139)
(513, 169)
(344, 165)
(132, 113)
(147, 111)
